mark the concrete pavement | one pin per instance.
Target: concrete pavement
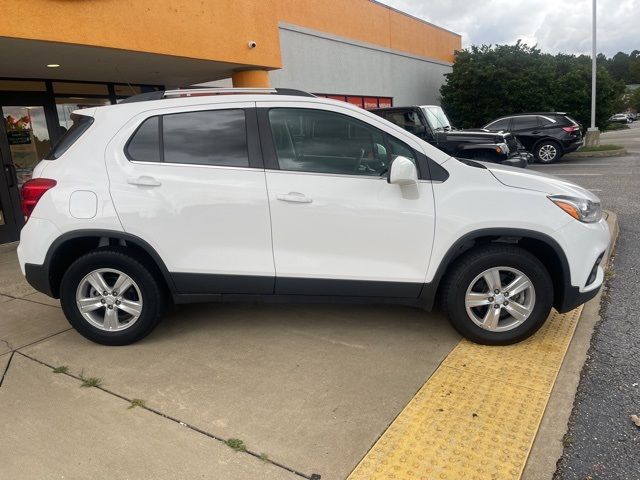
(311, 387)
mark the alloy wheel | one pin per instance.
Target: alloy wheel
(500, 299)
(109, 299)
(547, 153)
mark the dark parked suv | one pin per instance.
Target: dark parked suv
(548, 135)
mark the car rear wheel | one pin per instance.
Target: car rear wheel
(111, 298)
(497, 295)
(548, 152)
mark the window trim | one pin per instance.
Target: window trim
(254, 153)
(270, 154)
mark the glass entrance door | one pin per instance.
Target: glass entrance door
(26, 134)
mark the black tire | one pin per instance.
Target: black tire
(544, 148)
(472, 264)
(153, 300)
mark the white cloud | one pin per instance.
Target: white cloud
(554, 25)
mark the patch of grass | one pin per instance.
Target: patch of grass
(136, 402)
(91, 382)
(609, 273)
(61, 369)
(600, 148)
(264, 457)
(566, 440)
(616, 126)
(236, 444)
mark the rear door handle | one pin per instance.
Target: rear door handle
(144, 181)
(294, 197)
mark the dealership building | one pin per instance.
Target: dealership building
(70, 55)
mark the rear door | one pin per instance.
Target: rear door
(190, 182)
(527, 129)
(338, 227)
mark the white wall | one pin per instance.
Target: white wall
(322, 63)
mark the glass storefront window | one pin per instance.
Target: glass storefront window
(127, 90)
(28, 138)
(66, 106)
(23, 86)
(81, 88)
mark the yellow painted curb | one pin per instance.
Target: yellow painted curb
(477, 416)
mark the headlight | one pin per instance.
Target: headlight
(579, 208)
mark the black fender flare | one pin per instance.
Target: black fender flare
(429, 291)
(99, 233)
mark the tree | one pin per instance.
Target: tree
(490, 81)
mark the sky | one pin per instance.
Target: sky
(554, 25)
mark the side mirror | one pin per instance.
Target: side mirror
(402, 172)
(441, 137)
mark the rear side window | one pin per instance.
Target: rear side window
(80, 125)
(212, 137)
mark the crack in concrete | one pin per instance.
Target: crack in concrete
(313, 476)
(9, 346)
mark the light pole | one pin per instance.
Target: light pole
(593, 134)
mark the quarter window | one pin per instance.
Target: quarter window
(144, 146)
(211, 137)
(327, 142)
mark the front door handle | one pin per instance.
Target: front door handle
(144, 181)
(294, 197)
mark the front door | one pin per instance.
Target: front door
(338, 227)
(26, 134)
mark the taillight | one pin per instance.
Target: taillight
(571, 129)
(32, 192)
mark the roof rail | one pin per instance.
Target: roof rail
(206, 91)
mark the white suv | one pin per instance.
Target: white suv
(232, 195)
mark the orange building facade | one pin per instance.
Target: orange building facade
(60, 56)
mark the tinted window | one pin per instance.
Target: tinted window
(498, 125)
(214, 137)
(326, 142)
(144, 146)
(524, 123)
(80, 125)
(400, 149)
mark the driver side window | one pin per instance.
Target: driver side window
(326, 142)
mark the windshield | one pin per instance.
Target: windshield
(436, 118)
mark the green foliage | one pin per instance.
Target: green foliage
(137, 402)
(491, 81)
(61, 369)
(634, 99)
(236, 444)
(624, 66)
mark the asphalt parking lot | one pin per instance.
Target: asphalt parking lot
(307, 389)
(602, 442)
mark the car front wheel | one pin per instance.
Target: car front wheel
(111, 298)
(498, 295)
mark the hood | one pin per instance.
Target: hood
(539, 182)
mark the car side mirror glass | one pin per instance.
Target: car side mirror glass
(402, 172)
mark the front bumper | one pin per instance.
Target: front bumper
(583, 244)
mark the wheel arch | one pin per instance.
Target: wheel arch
(542, 246)
(71, 245)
